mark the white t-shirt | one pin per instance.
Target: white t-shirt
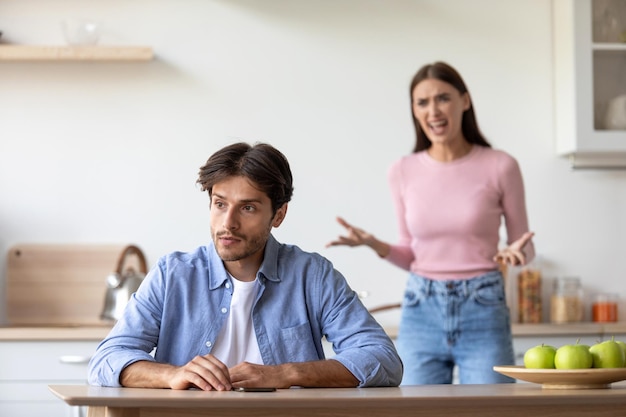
(237, 342)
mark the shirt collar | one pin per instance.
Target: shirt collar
(269, 266)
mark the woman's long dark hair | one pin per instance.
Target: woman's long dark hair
(444, 72)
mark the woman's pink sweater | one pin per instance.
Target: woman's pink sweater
(449, 213)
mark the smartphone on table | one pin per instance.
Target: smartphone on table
(257, 389)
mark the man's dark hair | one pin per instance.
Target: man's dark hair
(264, 165)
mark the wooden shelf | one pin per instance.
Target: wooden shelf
(580, 329)
(609, 46)
(75, 53)
(551, 329)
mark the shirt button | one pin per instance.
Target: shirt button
(208, 344)
(228, 285)
(224, 310)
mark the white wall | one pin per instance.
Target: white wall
(108, 152)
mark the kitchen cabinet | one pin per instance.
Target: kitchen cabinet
(590, 74)
(33, 358)
(75, 53)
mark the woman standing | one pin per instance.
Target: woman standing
(450, 195)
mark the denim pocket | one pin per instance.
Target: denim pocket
(415, 291)
(490, 293)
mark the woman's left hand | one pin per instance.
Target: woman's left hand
(514, 254)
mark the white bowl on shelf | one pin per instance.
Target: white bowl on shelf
(81, 32)
(615, 118)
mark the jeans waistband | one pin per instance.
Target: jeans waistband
(462, 287)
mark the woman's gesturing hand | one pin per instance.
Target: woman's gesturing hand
(355, 237)
(358, 237)
(514, 253)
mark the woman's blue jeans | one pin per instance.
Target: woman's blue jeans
(461, 322)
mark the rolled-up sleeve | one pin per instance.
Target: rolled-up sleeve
(359, 341)
(131, 339)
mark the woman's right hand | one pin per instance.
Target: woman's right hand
(358, 237)
(355, 237)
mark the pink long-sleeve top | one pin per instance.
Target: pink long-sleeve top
(449, 213)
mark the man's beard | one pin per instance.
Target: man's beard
(250, 246)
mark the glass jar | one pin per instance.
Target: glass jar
(529, 295)
(566, 303)
(604, 308)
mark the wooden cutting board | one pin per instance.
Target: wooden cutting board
(59, 284)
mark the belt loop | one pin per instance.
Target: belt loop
(466, 288)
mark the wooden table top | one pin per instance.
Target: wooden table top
(419, 396)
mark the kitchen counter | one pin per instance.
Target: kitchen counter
(99, 331)
(582, 329)
(51, 333)
(550, 329)
(513, 400)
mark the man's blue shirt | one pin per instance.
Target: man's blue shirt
(184, 300)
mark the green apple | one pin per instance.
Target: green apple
(573, 357)
(607, 354)
(540, 357)
(622, 344)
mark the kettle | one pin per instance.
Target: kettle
(121, 284)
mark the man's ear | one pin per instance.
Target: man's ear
(280, 215)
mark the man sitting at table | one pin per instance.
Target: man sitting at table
(245, 310)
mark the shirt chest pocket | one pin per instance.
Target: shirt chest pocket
(297, 344)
